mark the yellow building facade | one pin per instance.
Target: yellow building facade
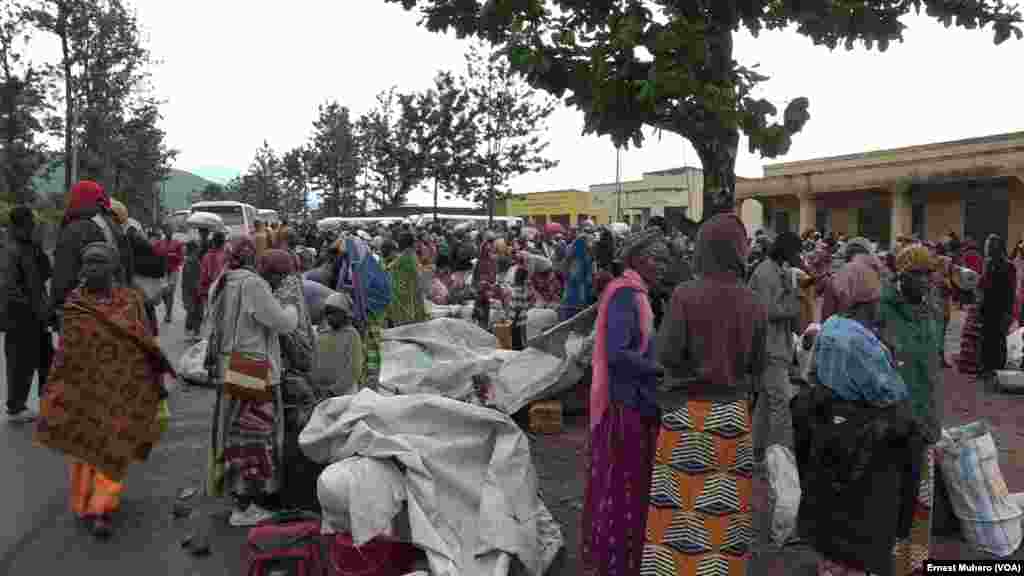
(673, 194)
(567, 207)
(972, 187)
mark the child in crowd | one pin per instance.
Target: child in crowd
(339, 358)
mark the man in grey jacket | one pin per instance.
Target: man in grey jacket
(773, 281)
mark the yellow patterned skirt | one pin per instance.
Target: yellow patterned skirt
(699, 520)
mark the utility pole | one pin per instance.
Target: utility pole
(618, 183)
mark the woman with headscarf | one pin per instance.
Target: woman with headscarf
(486, 263)
(362, 277)
(247, 437)
(114, 318)
(969, 361)
(712, 347)
(211, 267)
(459, 286)
(277, 267)
(407, 304)
(859, 446)
(87, 219)
(579, 288)
(998, 285)
(623, 419)
(911, 327)
(545, 286)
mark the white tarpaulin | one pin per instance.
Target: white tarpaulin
(471, 488)
(444, 355)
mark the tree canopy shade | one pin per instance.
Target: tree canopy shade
(669, 64)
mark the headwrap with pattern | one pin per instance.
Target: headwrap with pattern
(914, 258)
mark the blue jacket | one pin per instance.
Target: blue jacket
(632, 376)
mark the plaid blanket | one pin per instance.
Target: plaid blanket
(104, 390)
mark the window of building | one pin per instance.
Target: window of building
(821, 221)
(781, 221)
(917, 223)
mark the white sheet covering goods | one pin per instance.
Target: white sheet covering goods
(470, 484)
(442, 356)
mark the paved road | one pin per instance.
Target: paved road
(39, 535)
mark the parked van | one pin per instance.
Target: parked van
(268, 217)
(238, 218)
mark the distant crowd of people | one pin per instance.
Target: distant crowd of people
(711, 356)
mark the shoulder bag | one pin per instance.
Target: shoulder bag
(247, 378)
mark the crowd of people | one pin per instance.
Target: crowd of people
(709, 354)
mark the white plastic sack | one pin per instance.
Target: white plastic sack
(785, 491)
(191, 366)
(989, 515)
(1015, 349)
(362, 496)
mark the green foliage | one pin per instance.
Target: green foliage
(445, 136)
(393, 164)
(333, 158)
(690, 84)
(213, 192)
(109, 118)
(26, 112)
(508, 118)
(263, 188)
(293, 173)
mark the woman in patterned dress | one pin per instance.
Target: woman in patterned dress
(621, 408)
(712, 347)
(969, 360)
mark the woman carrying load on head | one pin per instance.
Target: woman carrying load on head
(712, 346)
(623, 418)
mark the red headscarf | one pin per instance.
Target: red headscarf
(84, 195)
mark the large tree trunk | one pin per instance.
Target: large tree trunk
(717, 143)
(718, 161)
(70, 162)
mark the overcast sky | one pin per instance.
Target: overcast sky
(235, 73)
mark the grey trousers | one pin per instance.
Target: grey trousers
(773, 421)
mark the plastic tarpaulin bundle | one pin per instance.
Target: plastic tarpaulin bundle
(1015, 349)
(444, 356)
(360, 496)
(471, 488)
(989, 515)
